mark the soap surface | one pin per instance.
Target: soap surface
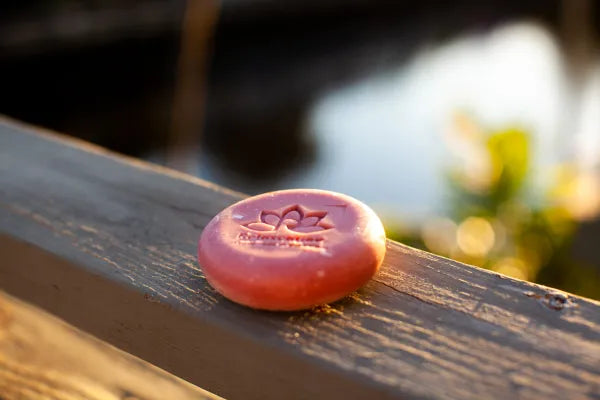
(291, 249)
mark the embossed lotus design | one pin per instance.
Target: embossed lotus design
(295, 218)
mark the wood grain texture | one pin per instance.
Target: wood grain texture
(41, 357)
(108, 244)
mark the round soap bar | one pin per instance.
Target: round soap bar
(291, 249)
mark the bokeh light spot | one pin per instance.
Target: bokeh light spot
(475, 236)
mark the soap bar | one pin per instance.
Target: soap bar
(291, 249)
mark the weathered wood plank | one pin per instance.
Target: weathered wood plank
(109, 244)
(41, 357)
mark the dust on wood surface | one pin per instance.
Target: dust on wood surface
(109, 244)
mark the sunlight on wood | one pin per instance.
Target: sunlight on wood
(42, 357)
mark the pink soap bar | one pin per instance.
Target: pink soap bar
(291, 249)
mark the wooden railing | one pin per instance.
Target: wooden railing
(108, 244)
(43, 358)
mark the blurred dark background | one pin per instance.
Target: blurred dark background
(472, 128)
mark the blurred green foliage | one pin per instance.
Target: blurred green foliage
(491, 220)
